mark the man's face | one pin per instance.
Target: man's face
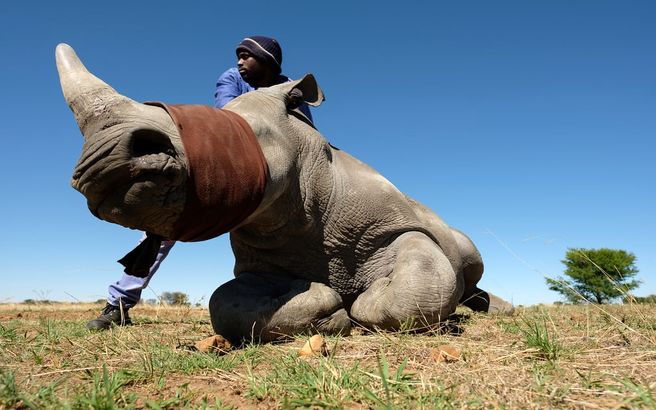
(252, 70)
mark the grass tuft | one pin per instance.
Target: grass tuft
(9, 395)
(106, 392)
(537, 337)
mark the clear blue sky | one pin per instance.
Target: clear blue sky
(528, 125)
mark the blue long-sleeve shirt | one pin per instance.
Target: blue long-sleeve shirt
(231, 85)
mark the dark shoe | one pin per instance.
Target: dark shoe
(110, 316)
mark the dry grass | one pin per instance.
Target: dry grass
(542, 357)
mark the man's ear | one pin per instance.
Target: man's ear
(304, 90)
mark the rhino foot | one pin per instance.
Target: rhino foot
(479, 300)
(339, 323)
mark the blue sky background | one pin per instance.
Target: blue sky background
(528, 125)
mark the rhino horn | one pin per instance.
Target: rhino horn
(90, 98)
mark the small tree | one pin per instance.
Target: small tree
(175, 298)
(597, 275)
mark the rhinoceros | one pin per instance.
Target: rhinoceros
(325, 243)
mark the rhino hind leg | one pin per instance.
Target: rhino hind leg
(266, 307)
(472, 263)
(422, 288)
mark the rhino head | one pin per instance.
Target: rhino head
(132, 169)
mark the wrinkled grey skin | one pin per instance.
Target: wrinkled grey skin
(332, 243)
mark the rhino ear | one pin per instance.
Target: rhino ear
(304, 90)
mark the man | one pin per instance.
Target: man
(259, 62)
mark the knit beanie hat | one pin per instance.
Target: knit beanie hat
(265, 49)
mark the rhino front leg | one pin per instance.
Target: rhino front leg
(422, 287)
(265, 307)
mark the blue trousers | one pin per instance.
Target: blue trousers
(127, 290)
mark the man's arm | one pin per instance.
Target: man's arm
(228, 87)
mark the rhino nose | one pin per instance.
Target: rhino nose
(144, 142)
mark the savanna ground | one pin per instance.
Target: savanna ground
(541, 357)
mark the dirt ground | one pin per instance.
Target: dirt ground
(541, 357)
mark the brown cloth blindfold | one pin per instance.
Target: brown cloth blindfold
(227, 174)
